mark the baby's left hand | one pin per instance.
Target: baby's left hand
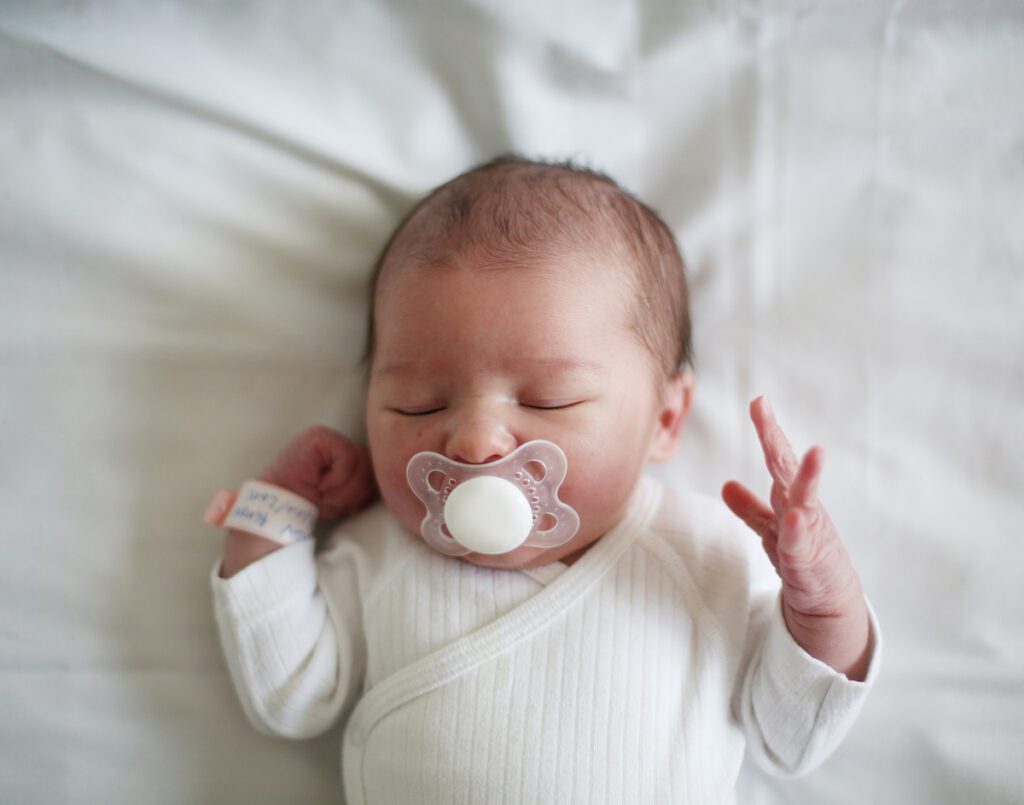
(822, 599)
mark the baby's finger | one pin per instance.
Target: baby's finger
(348, 486)
(804, 490)
(327, 446)
(778, 453)
(304, 460)
(796, 543)
(746, 505)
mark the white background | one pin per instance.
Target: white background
(192, 195)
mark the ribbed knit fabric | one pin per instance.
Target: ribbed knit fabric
(638, 674)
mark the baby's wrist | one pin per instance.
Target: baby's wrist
(242, 548)
(260, 518)
(269, 477)
(841, 639)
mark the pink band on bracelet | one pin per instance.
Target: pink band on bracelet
(263, 509)
(219, 507)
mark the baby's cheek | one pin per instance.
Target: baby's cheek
(399, 498)
(597, 491)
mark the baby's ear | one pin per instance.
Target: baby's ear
(675, 405)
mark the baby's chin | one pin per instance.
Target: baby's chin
(519, 559)
(513, 560)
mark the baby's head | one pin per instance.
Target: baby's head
(523, 301)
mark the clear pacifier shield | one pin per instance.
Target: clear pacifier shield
(490, 517)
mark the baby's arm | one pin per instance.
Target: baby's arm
(822, 599)
(813, 655)
(321, 466)
(291, 628)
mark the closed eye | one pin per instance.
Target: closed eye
(558, 407)
(418, 413)
(534, 406)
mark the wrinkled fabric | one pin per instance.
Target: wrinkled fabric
(192, 197)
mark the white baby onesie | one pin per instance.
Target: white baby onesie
(638, 674)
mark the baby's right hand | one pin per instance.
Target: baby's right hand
(327, 469)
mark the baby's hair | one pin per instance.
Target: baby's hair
(514, 211)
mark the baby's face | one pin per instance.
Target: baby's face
(472, 363)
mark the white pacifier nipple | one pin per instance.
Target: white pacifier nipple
(488, 515)
(493, 508)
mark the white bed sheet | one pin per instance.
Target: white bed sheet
(192, 196)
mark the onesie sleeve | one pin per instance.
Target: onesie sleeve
(296, 658)
(794, 708)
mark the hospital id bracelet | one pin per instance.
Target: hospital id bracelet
(265, 510)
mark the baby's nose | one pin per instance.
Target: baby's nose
(479, 441)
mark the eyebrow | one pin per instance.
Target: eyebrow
(553, 364)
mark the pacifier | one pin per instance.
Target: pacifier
(494, 508)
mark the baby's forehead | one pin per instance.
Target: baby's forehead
(576, 277)
(566, 305)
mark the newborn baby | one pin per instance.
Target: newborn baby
(525, 302)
